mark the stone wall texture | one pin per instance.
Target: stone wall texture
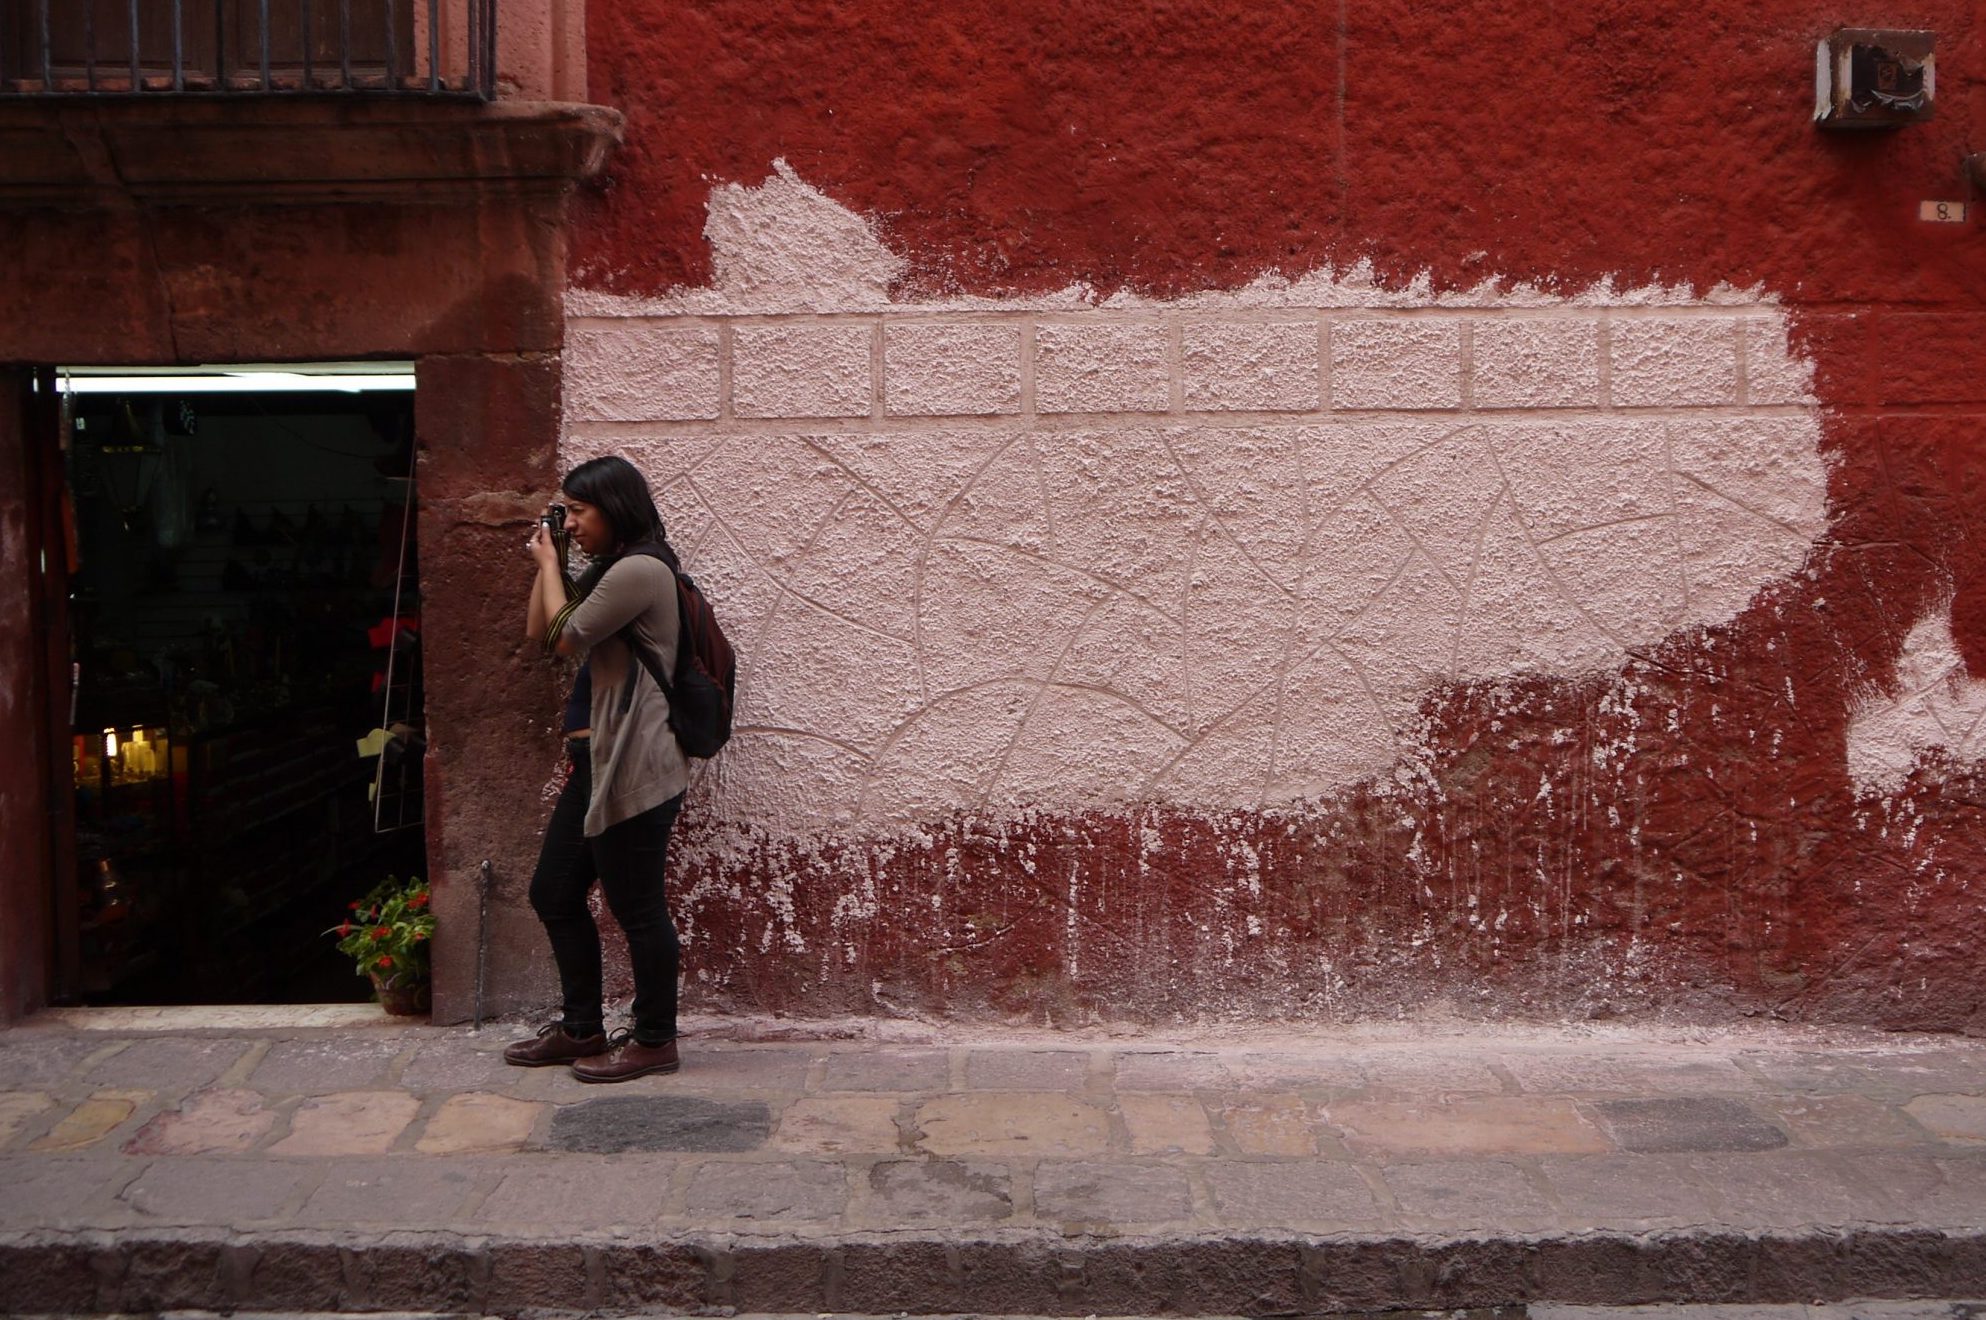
(1228, 513)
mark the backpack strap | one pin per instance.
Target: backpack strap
(647, 657)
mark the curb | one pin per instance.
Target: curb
(218, 1270)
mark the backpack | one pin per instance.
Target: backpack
(706, 679)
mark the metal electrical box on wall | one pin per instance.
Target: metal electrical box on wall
(1874, 77)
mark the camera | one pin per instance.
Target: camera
(555, 517)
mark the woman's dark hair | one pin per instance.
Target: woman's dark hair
(617, 489)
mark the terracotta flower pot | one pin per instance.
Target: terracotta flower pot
(401, 1000)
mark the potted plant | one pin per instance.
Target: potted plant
(387, 935)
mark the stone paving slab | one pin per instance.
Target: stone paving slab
(920, 1193)
(1867, 1309)
(327, 1063)
(253, 1165)
(1688, 1122)
(393, 1191)
(165, 1064)
(1447, 1192)
(577, 1194)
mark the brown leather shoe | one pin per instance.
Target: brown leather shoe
(627, 1059)
(551, 1045)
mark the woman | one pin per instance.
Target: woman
(614, 815)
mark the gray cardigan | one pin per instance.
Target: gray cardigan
(637, 763)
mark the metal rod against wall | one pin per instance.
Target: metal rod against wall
(392, 50)
(345, 42)
(303, 7)
(220, 45)
(47, 61)
(486, 66)
(178, 48)
(265, 45)
(473, 47)
(393, 648)
(137, 78)
(89, 47)
(486, 876)
(434, 45)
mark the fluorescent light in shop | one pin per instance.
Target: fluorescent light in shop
(337, 377)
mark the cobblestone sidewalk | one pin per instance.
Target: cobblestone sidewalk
(1865, 1309)
(153, 1167)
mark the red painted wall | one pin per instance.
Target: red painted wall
(1028, 145)
(1171, 148)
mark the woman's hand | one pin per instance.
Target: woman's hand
(548, 587)
(543, 551)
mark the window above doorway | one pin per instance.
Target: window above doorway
(423, 48)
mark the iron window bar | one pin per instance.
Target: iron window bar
(424, 48)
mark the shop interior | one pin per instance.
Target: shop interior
(244, 618)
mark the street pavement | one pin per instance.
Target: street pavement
(1865, 1309)
(341, 1161)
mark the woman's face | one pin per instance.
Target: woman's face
(588, 528)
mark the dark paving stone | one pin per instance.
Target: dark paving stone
(1673, 1124)
(662, 1122)
(940, 1191)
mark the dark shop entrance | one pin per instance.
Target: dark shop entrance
(243, 680)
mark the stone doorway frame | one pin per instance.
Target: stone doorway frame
(318, 231)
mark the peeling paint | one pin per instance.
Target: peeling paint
(1933, 706)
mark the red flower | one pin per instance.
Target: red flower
(381, 932)
(385, 960)
(420, 935)
(344, 928)
(353, 905)
(417, 902)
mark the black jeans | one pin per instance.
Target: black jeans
(627, 859)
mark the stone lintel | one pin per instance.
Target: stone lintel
(71, 153)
